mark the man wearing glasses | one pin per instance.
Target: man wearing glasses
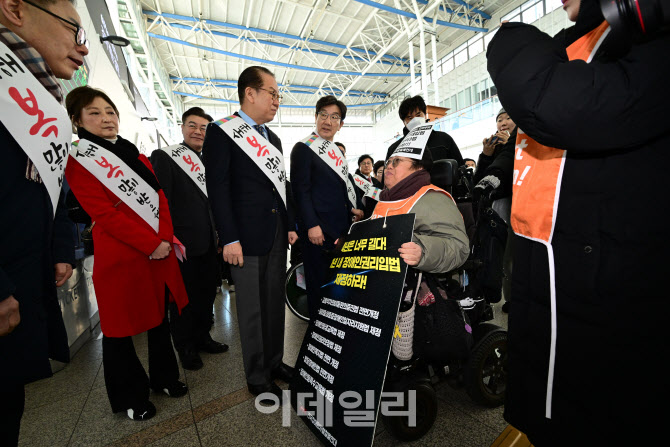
(37, 245)
(325, 198)
(181, 173)
(246, 184)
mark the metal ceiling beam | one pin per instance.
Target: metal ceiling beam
(286, 106)
(270, 43)
(410, 15)
(460, 14)
(278, 64)
(231, 83)
(269, 33)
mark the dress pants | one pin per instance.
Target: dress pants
(12, 401)
(192, 326)
(316, 261)
(259, 290)
(127, 383)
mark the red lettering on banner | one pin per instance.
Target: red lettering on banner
(333, 155)
(108, 165)
(252, 141)
(194, 166)
(33, 110)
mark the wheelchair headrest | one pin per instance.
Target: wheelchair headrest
(444, 174)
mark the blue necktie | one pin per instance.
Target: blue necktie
(259, 128)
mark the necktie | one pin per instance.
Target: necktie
(259, 128)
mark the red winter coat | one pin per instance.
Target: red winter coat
(130, 288)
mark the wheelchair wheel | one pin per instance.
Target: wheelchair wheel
(486, 371)
(295, 294)
(426, 413)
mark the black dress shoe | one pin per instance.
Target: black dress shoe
(190, 359)
(263, 390)
(212, 347)
(142, 412)
(283, 372)
(177, 389)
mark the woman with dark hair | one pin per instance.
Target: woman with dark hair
(136, 272)
(440, 243)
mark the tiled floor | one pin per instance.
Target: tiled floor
(72, 407)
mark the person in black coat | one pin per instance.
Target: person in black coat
(440, 144)
(587, 328)
(324, 211)
(494, 174)
(194, 227)
(254, 228)
(37, 252)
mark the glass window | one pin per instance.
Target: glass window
(475, 46)
(448, 65)
(460, 55)
(461, 100)
(488, 37)
(552, 4)
(512, 16)
(531, 11)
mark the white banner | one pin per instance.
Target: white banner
(38, 123)
(414, 143)
(267, 157)
(190, 163)
(367, 187)
(331, 155)
(117, 176)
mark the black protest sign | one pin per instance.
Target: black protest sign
(342, 363)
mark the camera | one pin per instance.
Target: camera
(638, 19)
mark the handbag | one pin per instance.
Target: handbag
(403, 342)
(442, 329)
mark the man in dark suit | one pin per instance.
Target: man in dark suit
(194, 227)
(254, 226)
(324, 207)
(440, 144)
(37, 241)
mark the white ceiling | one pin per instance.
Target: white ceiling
(353, 49)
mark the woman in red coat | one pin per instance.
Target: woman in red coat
(136, 271)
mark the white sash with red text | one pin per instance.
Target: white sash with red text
(369, 190)
(332, 156)
(38, 123)
(117, 176)
(190, 163)
(267, 157)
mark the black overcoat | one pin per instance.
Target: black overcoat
(244, 202)
(31, 242)
(610, 239)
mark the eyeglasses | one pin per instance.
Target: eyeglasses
(334, 117)
(366, 163)
(79, 32)
(192, 127)
(395, 162)
(275, 96)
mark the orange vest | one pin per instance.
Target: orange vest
(403, 206)
(538, 169)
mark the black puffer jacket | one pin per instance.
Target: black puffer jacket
(610, 238)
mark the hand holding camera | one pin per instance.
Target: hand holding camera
(500, 137)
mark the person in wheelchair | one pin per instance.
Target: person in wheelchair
(440, 243)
